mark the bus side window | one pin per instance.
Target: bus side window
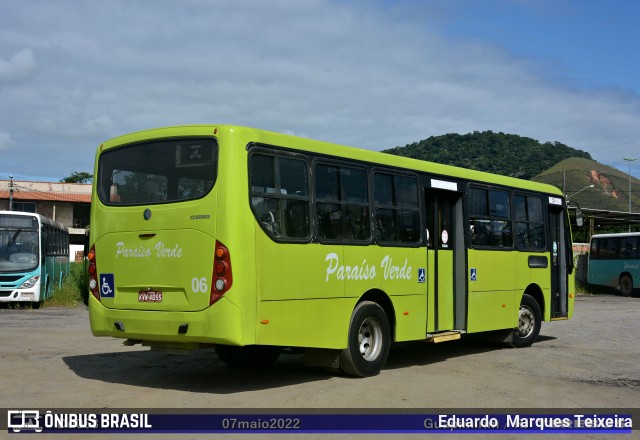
(529, 222)
(593, 251)
(342, 203)
(396, 215)
(297, 220)
(490, 216)
(279, 195)
(608, 248)
(629, 247)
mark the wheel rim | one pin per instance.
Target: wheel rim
(370, 339)
(626, 284)
(526, 322)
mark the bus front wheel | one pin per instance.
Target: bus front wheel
(529, 322)
(626, 285)
(369, 341)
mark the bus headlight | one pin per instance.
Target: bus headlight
(30, 282)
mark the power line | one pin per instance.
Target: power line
(614, 145)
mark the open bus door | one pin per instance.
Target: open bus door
(561, 260)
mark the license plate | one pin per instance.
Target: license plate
(154, 296)
(28, 296)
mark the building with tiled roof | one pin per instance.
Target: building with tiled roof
(66, 203)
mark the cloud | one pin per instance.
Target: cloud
(5, 141)
(356, 73)
(19, 68)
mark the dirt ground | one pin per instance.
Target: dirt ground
(49, 359)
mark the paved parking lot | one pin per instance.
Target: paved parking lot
(49, 359)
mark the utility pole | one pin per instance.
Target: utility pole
(629, 159)
(10, 193)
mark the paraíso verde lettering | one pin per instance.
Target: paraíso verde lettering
(365, 271)
(160, 250)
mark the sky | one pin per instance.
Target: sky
(369, 73)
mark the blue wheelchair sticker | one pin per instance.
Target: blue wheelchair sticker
(422, 276)
(107, 286)
(474, 275)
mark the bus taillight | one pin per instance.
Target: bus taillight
(222, 278)
(93, 273)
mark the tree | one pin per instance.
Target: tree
(78, 177)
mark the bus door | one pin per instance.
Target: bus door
(560, 239)
(446, 258)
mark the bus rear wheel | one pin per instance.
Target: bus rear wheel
(626, 285)
(529, 322)
(368, 343)
(252, 356)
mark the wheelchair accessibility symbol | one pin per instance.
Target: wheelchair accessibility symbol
(422, 277)
(107, 286)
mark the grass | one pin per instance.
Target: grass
(73, 289)
(590, 289)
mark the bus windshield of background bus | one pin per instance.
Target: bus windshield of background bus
(157, 172)
(18, 243)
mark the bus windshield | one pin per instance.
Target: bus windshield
(163, 171)
(18, 243)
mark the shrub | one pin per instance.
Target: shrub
(73, 289)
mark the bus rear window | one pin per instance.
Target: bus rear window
(157, 172)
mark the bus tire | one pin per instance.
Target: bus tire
(529, 322)
(369, 341)
(250, 356)
(626, 285)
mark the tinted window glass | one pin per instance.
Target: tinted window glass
(499, 202)
(530, 232)
(263, 174)
(478, 205)
(490, 216)
(354, 185)
(397, 214)
(383, 189)
(327, 182)
(157, 172)
(406, 191)
(293, 177)
(342, 208)
(279, 196)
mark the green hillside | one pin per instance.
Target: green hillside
(610, 186)
(552, 162)
(499, 153)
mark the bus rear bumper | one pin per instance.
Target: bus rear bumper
(218, 324)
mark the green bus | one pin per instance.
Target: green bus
(252, 241)
(614, 261)
(34, 257)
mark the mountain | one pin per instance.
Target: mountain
(499, 153)
(569, 169)
(610, 186)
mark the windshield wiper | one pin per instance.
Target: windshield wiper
(15, 236)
